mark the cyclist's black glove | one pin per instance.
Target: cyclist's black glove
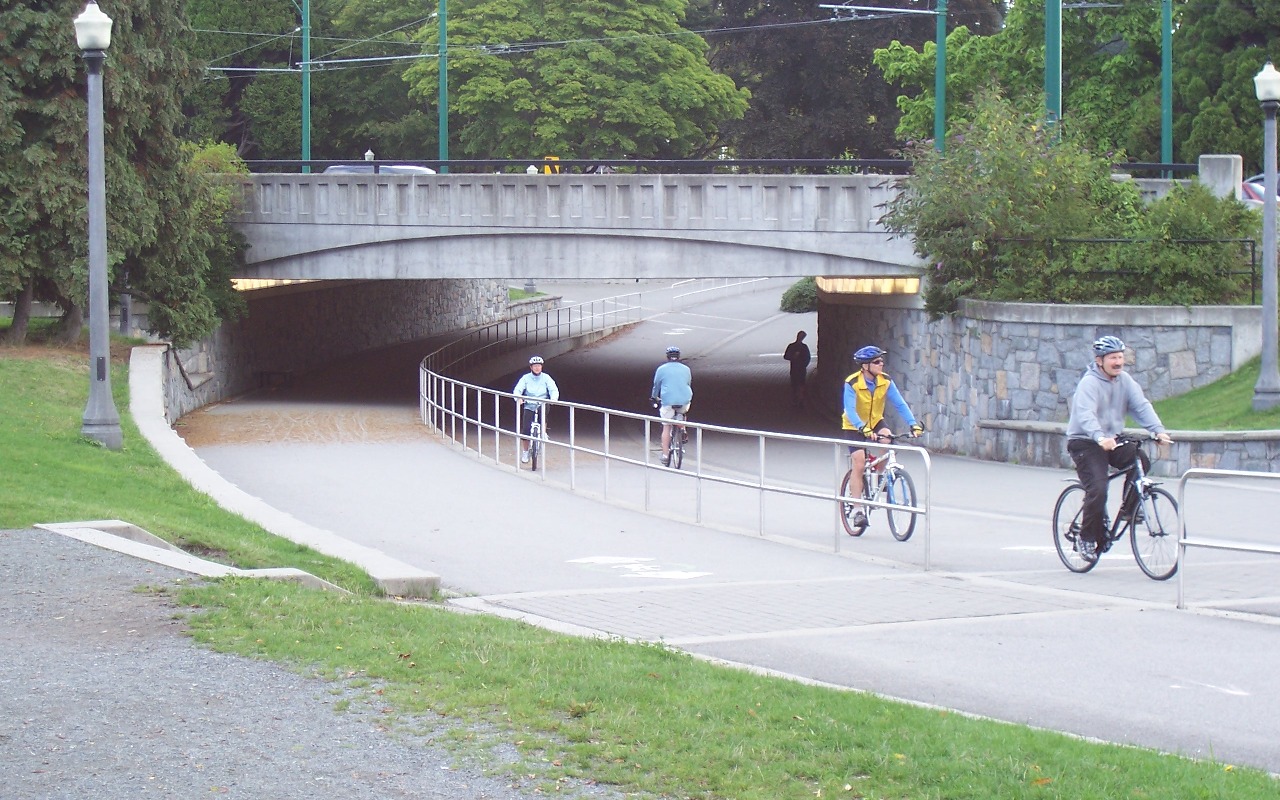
(655, 402)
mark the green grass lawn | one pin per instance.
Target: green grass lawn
(1225, 405)
(644, 718)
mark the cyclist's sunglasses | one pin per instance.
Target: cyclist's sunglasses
(876, 361)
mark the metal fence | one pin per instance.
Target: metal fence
(785, 486)
(1209, 543)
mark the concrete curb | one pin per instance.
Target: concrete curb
(146, 404)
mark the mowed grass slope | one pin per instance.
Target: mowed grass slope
(643, 718)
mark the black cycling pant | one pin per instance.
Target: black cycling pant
(526, 419)
(1092, 463)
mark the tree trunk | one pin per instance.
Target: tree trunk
(17, 333)
(69, 327)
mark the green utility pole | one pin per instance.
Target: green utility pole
(940, 80)
(1053, 61)
(444, 85)
(306, 83)
(1166, 83)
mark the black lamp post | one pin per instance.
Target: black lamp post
(101, 421)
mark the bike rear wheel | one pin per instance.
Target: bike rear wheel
(848, 508)
(1067, 514)
(677, 448)
(1154, 535)
(900, 490)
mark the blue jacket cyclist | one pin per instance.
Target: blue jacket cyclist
(672, 392)
(866, 393)
(533, 387)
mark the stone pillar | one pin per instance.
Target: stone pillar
(1222, 174)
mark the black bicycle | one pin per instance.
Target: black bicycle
(883, 480)
(1151, 523)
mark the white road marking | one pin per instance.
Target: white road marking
(637, 568)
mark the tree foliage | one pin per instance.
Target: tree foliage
(1017, 211)
(815, 92)
(152, 197)
(1218, 48)
(577, 78)
(1110, 69)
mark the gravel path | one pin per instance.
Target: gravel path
(102, 695)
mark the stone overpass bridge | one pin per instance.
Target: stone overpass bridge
(513, 227)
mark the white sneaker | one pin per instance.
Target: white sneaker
(524, 456)
(666, 461)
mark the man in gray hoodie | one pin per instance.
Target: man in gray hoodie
(1105, 396)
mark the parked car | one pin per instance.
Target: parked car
(381, 169)
(1252, 190)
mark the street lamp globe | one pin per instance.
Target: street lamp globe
(93, 28)
(1266, 83)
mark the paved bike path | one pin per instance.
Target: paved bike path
(998, 629)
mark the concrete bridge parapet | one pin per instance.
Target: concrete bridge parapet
(569, 226)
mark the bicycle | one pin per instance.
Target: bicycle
(679, 436)
(1151, 522)
(537, 436)
(882, 477)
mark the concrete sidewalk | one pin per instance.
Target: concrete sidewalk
(1001, 629)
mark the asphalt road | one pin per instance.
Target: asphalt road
(997, 627)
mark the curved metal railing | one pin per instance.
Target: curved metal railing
(781, 485)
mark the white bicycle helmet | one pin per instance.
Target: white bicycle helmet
(535, 360)
(1107, 345)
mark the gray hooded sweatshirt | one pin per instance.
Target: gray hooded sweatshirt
(1100, 404)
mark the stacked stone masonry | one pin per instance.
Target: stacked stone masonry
(994, 380)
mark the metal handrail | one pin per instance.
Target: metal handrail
(1185, 542)
(471, 416)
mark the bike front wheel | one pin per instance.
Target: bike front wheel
(1153, 532)
(1067, 515)
(848, 508)
(900, 490)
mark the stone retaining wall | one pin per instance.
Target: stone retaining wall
(987, 379)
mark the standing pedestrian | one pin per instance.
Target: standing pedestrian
(798, 354)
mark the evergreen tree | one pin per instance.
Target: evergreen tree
(151, 191)
(815, 91)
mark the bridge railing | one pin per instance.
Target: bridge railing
(769, 483)
(818, 166)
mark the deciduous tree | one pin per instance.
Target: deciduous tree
(579, 79)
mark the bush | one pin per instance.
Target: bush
(801, 297)
(1017, 211)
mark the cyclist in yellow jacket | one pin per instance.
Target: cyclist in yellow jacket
(865, 395)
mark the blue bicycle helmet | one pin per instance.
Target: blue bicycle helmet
(868, 353)
(1107, 345)
(673, 352)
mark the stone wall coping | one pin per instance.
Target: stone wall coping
(1060, 428)
(1111, 316)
